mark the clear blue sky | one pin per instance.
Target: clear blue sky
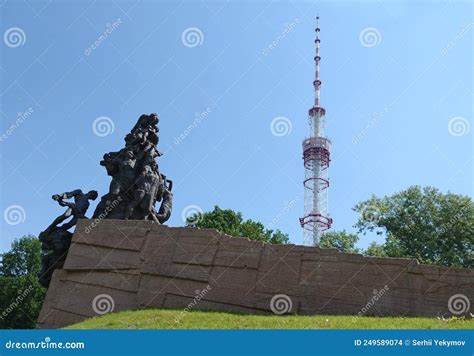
(394, 77)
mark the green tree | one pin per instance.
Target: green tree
(341, 240)
(24, 257)
(375, 250)
(423, 223)
(232, 223)
(22, 295)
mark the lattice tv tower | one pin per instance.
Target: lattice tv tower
(316, 157)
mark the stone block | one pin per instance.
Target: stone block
(89, 257)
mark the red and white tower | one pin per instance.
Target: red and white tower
(316, 157)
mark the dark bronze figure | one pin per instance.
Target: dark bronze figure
(77, 209)
(55, 240)
(136, 178)
(137, 185)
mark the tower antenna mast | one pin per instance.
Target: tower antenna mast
(316, 158)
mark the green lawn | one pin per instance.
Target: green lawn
(178, 319)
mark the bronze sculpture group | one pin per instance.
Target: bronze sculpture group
(137, 185)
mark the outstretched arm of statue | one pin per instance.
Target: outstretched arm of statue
(74, 193)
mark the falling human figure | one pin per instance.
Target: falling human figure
(55, 240)
(77, 209)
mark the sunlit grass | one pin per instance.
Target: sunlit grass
(178, 319)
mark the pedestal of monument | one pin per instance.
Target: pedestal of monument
(141, 264)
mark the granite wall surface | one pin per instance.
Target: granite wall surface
(118, 265)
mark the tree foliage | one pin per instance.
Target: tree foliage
(341, 240)
(376, 250)
(24, 257)
(232, 223)
(423, 223)
(22, 295)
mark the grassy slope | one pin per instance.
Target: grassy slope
(177, 319)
